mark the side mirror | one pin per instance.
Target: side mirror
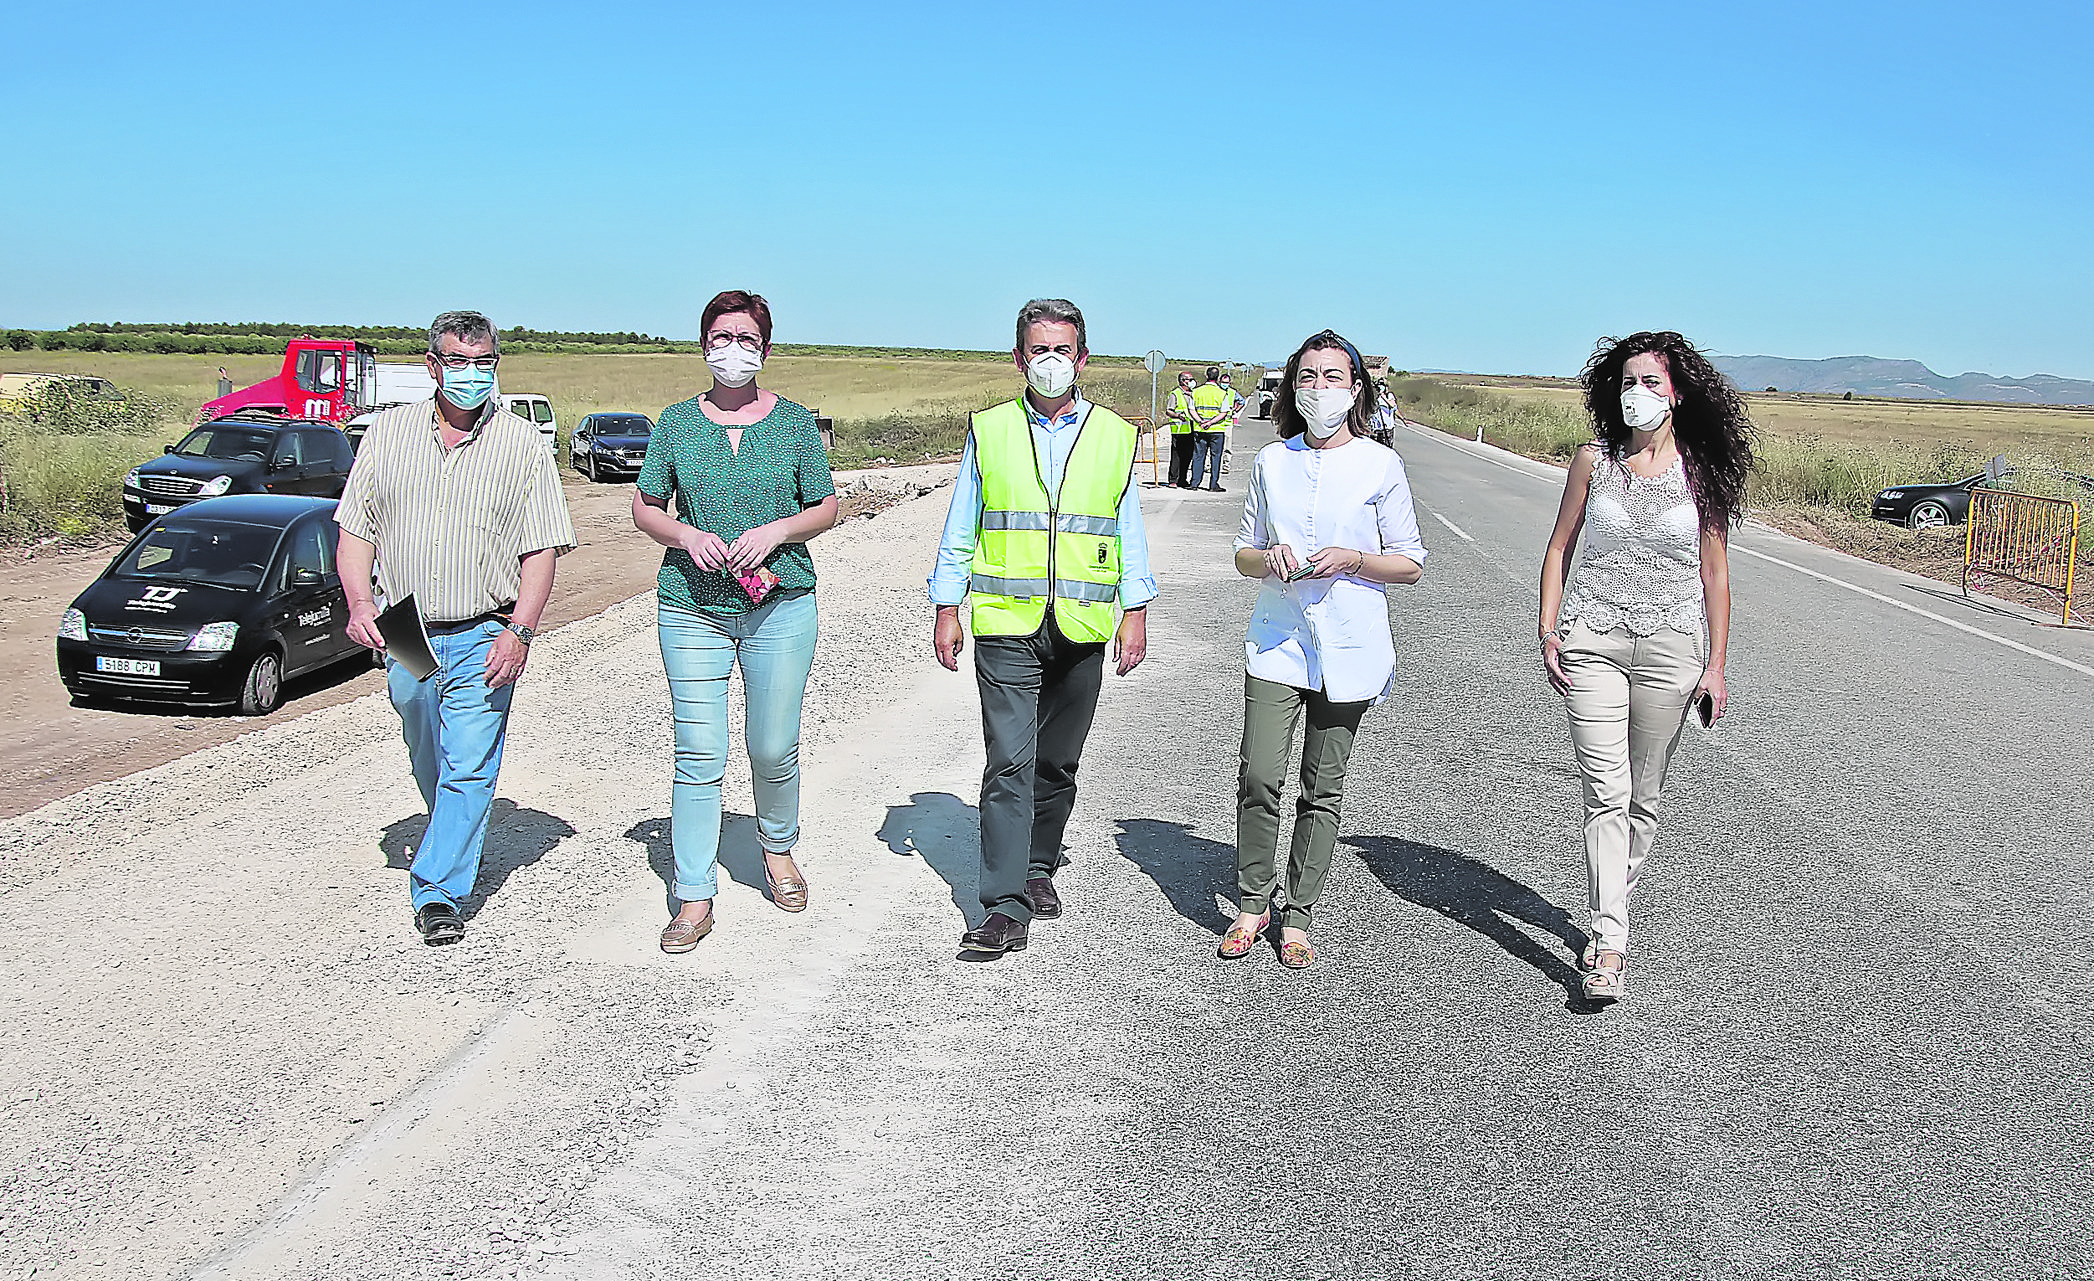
(305, 578)
(167, 449)
(282, 461)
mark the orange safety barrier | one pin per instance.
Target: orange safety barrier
(1143, 428)
(2021, 538)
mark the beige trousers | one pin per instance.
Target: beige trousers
(1628, 707)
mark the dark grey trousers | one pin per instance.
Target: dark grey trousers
(1038, 695)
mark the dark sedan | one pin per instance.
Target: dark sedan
(1926, 506)
(219, 603)
(609, 445)
(259, 454)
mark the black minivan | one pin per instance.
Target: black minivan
(250, 453)
(219, 603)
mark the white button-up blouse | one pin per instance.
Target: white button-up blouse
(1329, 634)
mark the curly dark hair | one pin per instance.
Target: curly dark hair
(1287, 420)
(1709, 423)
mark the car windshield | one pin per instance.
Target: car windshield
(623, 425)
(215, 441)
(221, 553)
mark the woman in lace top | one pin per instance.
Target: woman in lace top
(1635, 637)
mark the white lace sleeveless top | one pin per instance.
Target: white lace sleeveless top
(1641, 566)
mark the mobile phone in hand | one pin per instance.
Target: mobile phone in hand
(1301, 573)
(1705, 709)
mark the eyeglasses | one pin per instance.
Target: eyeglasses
(449, 360)
(749, 342)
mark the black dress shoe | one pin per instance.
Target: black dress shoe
(439, 923)
(1216, 489)
(1046, 904)
(995, 936)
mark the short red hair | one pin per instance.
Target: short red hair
(728, 301)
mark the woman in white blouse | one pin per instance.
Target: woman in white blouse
(1327, 525)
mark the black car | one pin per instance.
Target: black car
(609, 445)
(240, 454)
(1926, 506)
(219, 603)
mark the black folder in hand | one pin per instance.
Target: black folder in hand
(401, 626)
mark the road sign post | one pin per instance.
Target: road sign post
(1153, 362)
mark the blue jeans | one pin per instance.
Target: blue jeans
(454, 726)
(775, 647)
(1206, 445)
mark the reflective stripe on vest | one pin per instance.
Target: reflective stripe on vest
(1032, 548)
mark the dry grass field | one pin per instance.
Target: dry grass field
(62, 480)
(1905, 424)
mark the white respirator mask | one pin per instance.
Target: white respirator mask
(733, 365)
(1641, 408)
(1325, 409)
(1050, 374)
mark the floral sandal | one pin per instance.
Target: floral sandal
(1238, 942)
(1296, 955)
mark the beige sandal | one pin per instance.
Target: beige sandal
(682, 934)
(1604, 983)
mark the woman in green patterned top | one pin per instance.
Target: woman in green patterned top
(752, 485)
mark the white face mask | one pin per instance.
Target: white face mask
(1641, 407)
(733, 365)
(1050, 374)
(1324, 408)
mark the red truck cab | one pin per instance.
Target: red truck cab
(325, 378)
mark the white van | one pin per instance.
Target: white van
(534, 409)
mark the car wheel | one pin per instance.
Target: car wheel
(593, 476)
(263, 690)
(1927, 515)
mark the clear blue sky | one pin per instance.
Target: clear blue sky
(1485, 187)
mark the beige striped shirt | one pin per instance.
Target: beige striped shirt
(450, 525)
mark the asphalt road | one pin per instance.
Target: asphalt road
(1857, 1042)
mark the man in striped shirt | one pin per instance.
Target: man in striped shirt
(455, 502)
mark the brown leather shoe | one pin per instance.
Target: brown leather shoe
(682, 934)
(995, 936)
(1046, 904)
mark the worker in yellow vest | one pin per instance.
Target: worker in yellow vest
(1177, 412)
(1044, 544)
(1213, 404)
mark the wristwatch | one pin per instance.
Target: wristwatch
(523, 633)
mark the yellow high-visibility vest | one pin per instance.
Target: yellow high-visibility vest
(1033, 548)
(1179, 402)
(1212, 400)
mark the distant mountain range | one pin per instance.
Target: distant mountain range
(1905, 379)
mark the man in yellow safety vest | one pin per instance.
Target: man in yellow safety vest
(1177, 411)
(1044, 543)
(1213, 404)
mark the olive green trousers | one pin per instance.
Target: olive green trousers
(1270, 713)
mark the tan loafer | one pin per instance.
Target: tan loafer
(790, 894)
(681, 934)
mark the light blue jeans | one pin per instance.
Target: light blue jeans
(454, 726)
(775, 647)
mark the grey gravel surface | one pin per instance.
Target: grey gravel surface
(1857, 1040)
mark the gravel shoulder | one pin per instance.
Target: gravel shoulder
(221, 1045)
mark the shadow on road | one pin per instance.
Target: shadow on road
(1477, 895)
(740, 855)
(516, 838)
(946, 832)
(1190, 870)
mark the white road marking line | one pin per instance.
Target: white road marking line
(1451, 525)
(1995, 637)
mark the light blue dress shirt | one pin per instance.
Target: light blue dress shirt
(963, 519)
